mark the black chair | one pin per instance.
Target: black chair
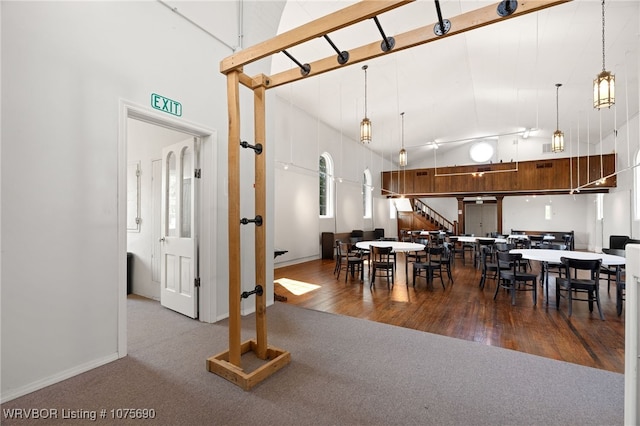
(349, 262)
(468, 247)
(482, 242)
(573, 286)
(620, 291)
(382, 261)
(447, 260)
(337, 256)
(432, 268)
(610, 273)
(414, 256)
(536, 240)
(455, 248)
(618, 241)
(513, 278)
(488, 265)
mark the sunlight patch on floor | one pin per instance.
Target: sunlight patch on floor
(296, 287)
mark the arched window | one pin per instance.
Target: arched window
(367, 202)
(636, 198)
(325, 174)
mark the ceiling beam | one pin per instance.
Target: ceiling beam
(462, 23)
(334, 21)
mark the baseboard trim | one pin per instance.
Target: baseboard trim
(63, 375)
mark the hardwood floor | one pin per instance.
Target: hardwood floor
(464, 311)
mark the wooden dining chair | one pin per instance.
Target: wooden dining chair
(349, 262)
(382, 261)
(572, 286)
(514, 278)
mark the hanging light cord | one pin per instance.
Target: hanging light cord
(402, 114)
(603, 67)
(365, 90)
(557, 108)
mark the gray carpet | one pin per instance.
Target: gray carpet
(344, 371)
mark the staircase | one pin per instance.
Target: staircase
(424, 217)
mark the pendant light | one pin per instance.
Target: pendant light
(604, 84)
(402, 159)
(557, 143)
(365, 125)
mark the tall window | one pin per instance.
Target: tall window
(636, 173)
(325, 174)
(366, 194)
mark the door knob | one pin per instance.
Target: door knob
(161, 240)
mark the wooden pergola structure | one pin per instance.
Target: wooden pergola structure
(228, 364)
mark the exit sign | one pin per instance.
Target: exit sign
(166, 105)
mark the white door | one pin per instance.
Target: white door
(178, 253)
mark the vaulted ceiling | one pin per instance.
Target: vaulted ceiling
(495, 80)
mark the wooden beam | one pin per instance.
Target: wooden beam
(459, 24)
(342, 18)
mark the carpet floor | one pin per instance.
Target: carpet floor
(343, 371)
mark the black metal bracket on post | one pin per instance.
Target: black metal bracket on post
(257, 220)
(257, 147)
(343, 56)
(258, 290)
(388, 43)
(305, 69)
(444, 25)
(507, 7)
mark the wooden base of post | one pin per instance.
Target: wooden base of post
(220, 365)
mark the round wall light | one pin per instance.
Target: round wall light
(481, 152)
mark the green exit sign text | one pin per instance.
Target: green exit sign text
(166, 105)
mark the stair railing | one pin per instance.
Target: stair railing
(422, 208)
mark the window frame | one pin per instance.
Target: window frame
(327, 175)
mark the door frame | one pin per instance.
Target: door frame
(208, 194)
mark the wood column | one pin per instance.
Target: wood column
(460, 215)
(499, 212)
(260, 209)
(233, 103)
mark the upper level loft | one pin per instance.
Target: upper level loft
(591, 174)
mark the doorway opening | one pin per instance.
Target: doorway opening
(166, 187)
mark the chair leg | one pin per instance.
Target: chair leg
(598, 303)
(513, 292)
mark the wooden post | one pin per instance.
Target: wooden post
(235, 286)
(500, 199)
(460, 215)
(227, 364)
(260, 206)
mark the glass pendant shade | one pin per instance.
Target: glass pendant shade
(365, 130)
(604, 94)
(402, 160)
(557, 143)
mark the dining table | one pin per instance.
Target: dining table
(396, 246)
(547, 257)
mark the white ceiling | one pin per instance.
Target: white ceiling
(495, 80)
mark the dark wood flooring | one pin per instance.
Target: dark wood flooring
(464, 311)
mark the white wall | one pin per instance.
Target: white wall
(300, 140)
(65, 68)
